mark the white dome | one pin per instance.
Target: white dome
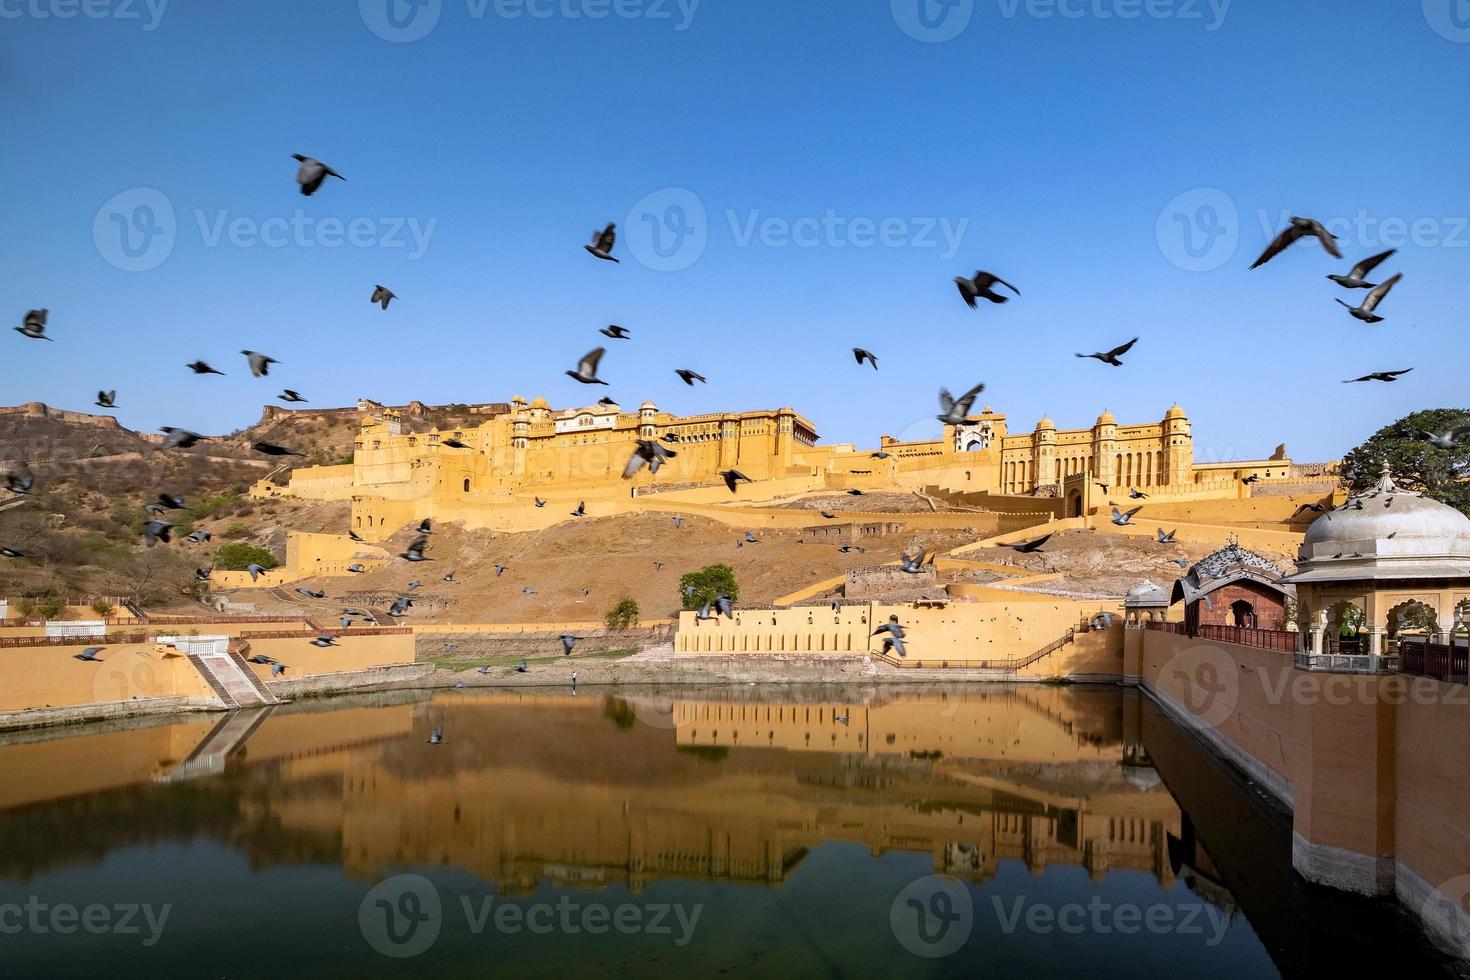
(1386, 532)
(1146, 593)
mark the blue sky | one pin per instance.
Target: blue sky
(1064, 145)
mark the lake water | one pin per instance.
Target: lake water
(1008, 832)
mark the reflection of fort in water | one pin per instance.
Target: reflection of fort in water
(590, 792)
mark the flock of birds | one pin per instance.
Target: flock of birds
(652, 454)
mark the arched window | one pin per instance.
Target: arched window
(467, 485)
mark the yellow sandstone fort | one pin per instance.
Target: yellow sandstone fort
(490, 475)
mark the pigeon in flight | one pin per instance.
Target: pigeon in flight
(568, 641)
(751, 538)
(11, 553)
(171, 502)
(426, 526)
(107, 399)
(202, 574)
(911, 566)
(539, 503)
(415, 550)
(436, 737)
(721, 605)
(201, 367)
(414, 585)
(1111, 357)
(732, 477)
(1105, 488)
(1386, 376)
(290, 396)
(356, 569)
(648, 453)
(90, 655)
(346, 622)
(980, 287)
(691, 376)
(277, 669)
(354, 536)
(449, 578)
(1166, 538)
(17, 482)
(256, 571)
(500, 570)
(894, 641)
(324, 641)
(180, 438)
(1313, 508)
(156, 531)
(270, 449)
(856, 493)
(34, 325)
(400, 607)
(1028, 547)
(880, 455)
(1135, 494)
(829, 515)
(865, 355)
(848, 549)
(603, 242)
(1358, 278)
(527, 591)
(607, 402)
(1379, 293)
(1252, 479)
(453, 444)
(615, 332)
(260, 364)
(199, 537)
(581, 510)
(1298, 229)
(953, 411)
(382, 295)
(1124, 518)
(312, 595)
(678, 522)
(312, 174)
(1447, 440)
(586, 372)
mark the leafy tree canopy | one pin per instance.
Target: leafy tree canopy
(237, 556)
(1417, 464)
(697, 588)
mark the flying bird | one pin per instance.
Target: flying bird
(199, 537)
(1111, 357)
(107, 399)
(1358, 278)
(11, 553)
(1449, 439)
(1366, 311)
(356, 569)
(865, 355)
(426, 526)
(691, 376)
(202, 574)
(90, 655)
(382, 295)
(979, 287)
(1314, 508)
(647, 453)
(18, 482)
(732, 477)
(312, 595)
(500, 570)
(400, 607)
(568, 641)
(894, 641)
(581, 510)
(201, 367)
(912, 566)
(1386, 376)
(256, 571)
(271, 449)
(1298, 229)
(953, 411)
(603, 242)
(156, 531)
(171, 502)
(1124, 518)
(325, 640)
(180, 438)
(615, 332)
(277, 669)
(1166, 538)
(1136, 494)
(415, 550)
(1028, 547)
(453, 444)
(586, 372)
(1254, 478)
(34, 325)
(290, 396)
(539, 503)
(312, 174)
(260, 364)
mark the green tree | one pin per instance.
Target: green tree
(622, 616)
(237, 555)
(103, 608)
(697, 588)
(1417, 464)
(52, 605)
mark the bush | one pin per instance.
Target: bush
(51, 605)
(235, 532)
(103, 609)
(697, 588)
(622, 616)
(236, 557)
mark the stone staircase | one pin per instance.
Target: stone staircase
(210, 755)
(231, 678)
